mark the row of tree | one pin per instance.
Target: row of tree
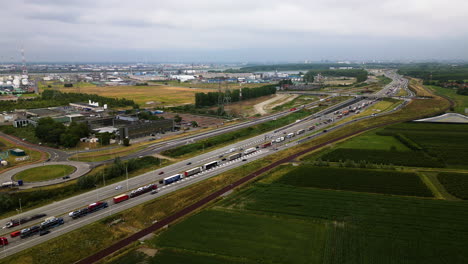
(212, 98)
(118, 168)
(50, 131)
(51, 98)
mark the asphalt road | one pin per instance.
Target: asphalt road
(61, 208)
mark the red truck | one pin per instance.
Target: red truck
(15, 234)
(121, 198)
(266, 145)
(3, 241)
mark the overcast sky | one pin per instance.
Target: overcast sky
(233, 31)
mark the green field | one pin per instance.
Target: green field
(371, 140)
(252, 236)
(270, 223)
(446, 142)
(407, 144)
(403, 158)
(44, 173)
(455, 183)
(460, 100)
(360, 180)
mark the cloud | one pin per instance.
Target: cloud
(255, 29)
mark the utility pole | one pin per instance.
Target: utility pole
(126, 172)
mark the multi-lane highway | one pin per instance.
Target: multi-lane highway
(322, 122)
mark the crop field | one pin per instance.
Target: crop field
(359, 180)
(448, 142)
(252, 236)
(403, 158)
(455, 183)
(371, 140)
(368, 228)
(160, 95)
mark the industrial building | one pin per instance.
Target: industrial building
(145, 128)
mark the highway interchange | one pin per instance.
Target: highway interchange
(325, 120)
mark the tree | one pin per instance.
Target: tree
(104, 138)
(194, 124)
(69, 140)
(309, 76)
(177, 119)
(126, 142)
(49, 130)
(5, 202)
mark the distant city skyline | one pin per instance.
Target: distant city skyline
(111, 31)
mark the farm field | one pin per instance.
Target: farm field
(460, 100)
(44, 173)
(408, 144)
(371, 140)
(335, 227)
(160, 95)
(252, 236)
(402, 158)
(455, 183)
(359, 180)
(447, 142)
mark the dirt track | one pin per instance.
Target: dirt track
(260, 108)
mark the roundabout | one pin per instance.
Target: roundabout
(46, 173)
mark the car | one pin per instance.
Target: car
(66, 177)
(44, 232)
(118, 187)
(244, 159)
(154, 192)
(224, 159)
(220, 156)
(189, 163)
(161, 173)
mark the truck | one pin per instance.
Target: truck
(290, 135)
(300, 131)
(235, 156)
(192, 171)
(3, 241)
(16, 222)
(120, 198)
(96, 206)
(52, 222)
(78, 213)
(171, 179)
(266, 145)
(143, 190)
(15, 233)
(27, 232)
(249, 150)
(210, 165)
(346, 112)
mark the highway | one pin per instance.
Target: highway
(323, 122)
